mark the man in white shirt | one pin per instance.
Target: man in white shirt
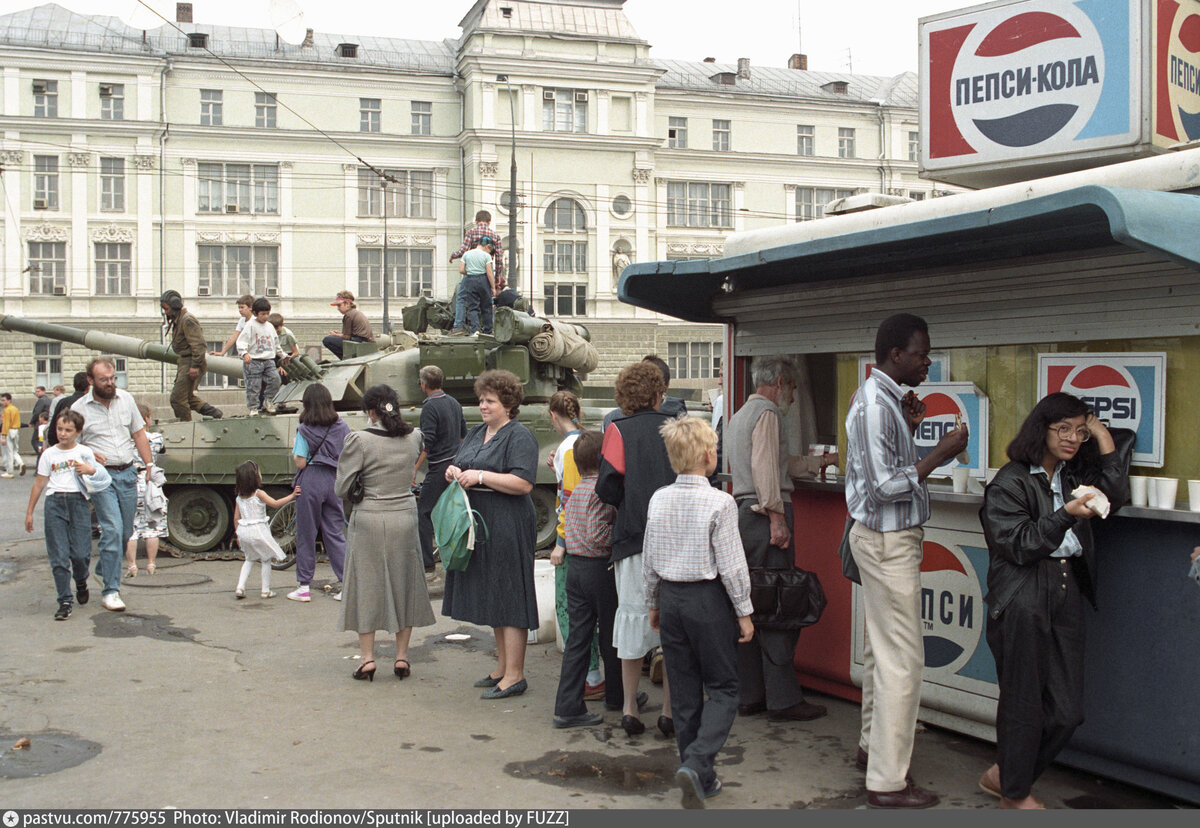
(113, 428)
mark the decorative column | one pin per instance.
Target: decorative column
(287, 272)
(143, 202)
(487, 114)
(739, 201)
(789, 203)
(643, 213)
(603, 244)
(188, 262)
(350, 247)
(641, 114)
(14, 279)
(78, 254)
(602, 98)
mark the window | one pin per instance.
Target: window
(720, 136)
(565, 299)
(112, 101)
(422, 118)
(47, 363)
(410, 272)
(233, 270)
(564, 110)
(47, 268)
(264, 110)
(369, 110)
(811, 201)
(914, 146)
(697, 204)
(210, 107)
(112, 184)
(564, 215)
(45, 182)
(213, 380)
(410, 195)
(114, 263)
(622, 206)
(694, 360)
(677, 133)
(845, 142)
(45, 99)
(565, 257)
(916, 195)
(804, 140)
(237, 188)
(121, 372)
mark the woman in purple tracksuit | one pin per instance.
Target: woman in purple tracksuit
(318, 446)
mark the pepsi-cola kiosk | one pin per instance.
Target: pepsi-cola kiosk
(1087, 282)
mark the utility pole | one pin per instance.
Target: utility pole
(512, 184)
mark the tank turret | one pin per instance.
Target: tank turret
(201, 455)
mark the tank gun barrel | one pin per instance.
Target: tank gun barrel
(111, 343)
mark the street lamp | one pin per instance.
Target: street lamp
(512, 183)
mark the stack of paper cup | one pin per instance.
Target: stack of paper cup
(1139, 491)
(959, 475)
(1165, 489)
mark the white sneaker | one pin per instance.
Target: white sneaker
(299, 594)
(6, 476)
(113, 602)
(269, 594)
(239, 593)
(337, 596)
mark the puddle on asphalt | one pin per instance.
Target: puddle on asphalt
(639, 773)
(166, 579)
(72, 649)
(844, 801)
(48, 752)
(130, 625)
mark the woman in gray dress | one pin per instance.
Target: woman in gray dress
(385, 577)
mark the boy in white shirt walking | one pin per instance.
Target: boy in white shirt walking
(259, 345)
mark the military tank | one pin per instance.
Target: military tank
(201, 455)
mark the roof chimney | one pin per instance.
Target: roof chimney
(744, 68)
(308, 38)
(710, 60)
(183, 12)
(798, 61)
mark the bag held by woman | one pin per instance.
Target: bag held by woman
(456, 527)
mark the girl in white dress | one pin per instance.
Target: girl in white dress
(252, 528)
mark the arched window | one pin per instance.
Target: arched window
(565, 258)
(564, 215)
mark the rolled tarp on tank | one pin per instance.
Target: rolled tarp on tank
(561, 344)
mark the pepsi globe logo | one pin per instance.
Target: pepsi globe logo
(1183, 74)
(1028, 78)
(1109, 390)
(952, 608)
(940, 411)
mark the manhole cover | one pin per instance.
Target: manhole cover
(47, 753)
(163, 579)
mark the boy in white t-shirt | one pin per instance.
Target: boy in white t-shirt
(68, 523)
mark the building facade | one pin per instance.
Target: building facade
(221, 161)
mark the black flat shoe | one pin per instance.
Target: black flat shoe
(402, 672)
(363, 673)
(632, 726)
(666, 725)
(487, 681)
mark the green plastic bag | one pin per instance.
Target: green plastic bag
(456, 528)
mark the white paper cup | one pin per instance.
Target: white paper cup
(1165, 489)
(1139, 491)
(960, 475)
(1194, 495)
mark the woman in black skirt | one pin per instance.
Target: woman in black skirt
(497, 465)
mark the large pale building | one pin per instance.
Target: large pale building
(220, 161)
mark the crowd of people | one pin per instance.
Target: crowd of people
(652, 559)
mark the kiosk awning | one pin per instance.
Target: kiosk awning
(1160, 224)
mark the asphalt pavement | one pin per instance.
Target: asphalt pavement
(193, 699)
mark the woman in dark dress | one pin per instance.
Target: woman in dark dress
(497, 466)
(318, 446)
(1041, 570)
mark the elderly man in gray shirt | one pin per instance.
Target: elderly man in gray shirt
(888, 499)
(113, 428)
(762, 473)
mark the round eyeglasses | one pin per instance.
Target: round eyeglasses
(1066, 432)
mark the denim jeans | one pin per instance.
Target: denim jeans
(460, 307)
(477, 297)
(115, 507)
(335, 344)
(262, 383)
(68, 540)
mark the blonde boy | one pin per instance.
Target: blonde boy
(698, 591)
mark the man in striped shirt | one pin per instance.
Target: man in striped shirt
(887, 496)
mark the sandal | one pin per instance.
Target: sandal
(362, 673)
(132, 571)
(402, 672)
(151, 569)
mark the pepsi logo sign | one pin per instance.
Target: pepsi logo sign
(1109, 390)
(952, 608)
(940, 411)
(1024, 79)
(1183, 75)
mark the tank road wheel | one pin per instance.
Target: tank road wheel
(197, 518)
(283, 529)
(547, 519)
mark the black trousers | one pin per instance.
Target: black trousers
(431, 489)
(765, 669)
(1037, 643)
(591, 599)
(699, 637)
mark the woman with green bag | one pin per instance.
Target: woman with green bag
(497, 466)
